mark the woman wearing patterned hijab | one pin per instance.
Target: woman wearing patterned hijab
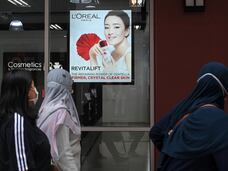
(194, 135)
(58, 119)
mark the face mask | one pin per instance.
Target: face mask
(34, 100)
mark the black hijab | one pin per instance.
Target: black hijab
(206, 128)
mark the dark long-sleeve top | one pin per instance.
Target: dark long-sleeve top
(211, 162)
(23, 146)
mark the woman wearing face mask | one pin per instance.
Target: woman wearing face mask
(116, 30)
(33, 95)
(23, 146)
(59, 120)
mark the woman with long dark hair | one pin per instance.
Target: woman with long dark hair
(194, 135)
(23, 146)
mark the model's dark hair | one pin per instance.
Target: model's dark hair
(123, 15)
(14, 93)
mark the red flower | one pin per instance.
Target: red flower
(84, 43)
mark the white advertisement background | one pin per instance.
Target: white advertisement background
(85, 26)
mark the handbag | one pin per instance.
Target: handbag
(54, 168)
(170, 131)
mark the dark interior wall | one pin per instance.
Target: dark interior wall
(183, 42)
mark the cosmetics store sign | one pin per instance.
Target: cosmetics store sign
(23, 61)
(100, 46)
(33, 61)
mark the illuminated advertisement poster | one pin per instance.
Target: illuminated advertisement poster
(101, 46)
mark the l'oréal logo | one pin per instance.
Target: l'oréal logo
(85, 16)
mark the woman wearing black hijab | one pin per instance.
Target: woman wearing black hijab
(194, 135)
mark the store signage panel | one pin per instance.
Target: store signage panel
(33, 61)
(22, 61)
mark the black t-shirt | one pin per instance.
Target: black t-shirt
(23, 146)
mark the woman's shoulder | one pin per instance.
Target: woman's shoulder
(62, 111)
(209, 115)
(53, 110)
(210, 110)
(20, 123)
(9, 119)
(51, 115)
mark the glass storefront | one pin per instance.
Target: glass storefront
(115, 151)
(114, 106)
(22, 39)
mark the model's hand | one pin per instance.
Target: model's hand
(95, 50)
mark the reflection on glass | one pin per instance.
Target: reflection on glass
(115, 151)
(22, 40)
(113, 105)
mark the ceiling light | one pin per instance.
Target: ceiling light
(88, 3)
(60, 28)
(19, 3)
(81, 1)
(12, 2)
(16, 25)
(137, 3)
(137, 27)
(55, 27)
(90, 6)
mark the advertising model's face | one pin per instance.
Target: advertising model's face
(115, 30)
